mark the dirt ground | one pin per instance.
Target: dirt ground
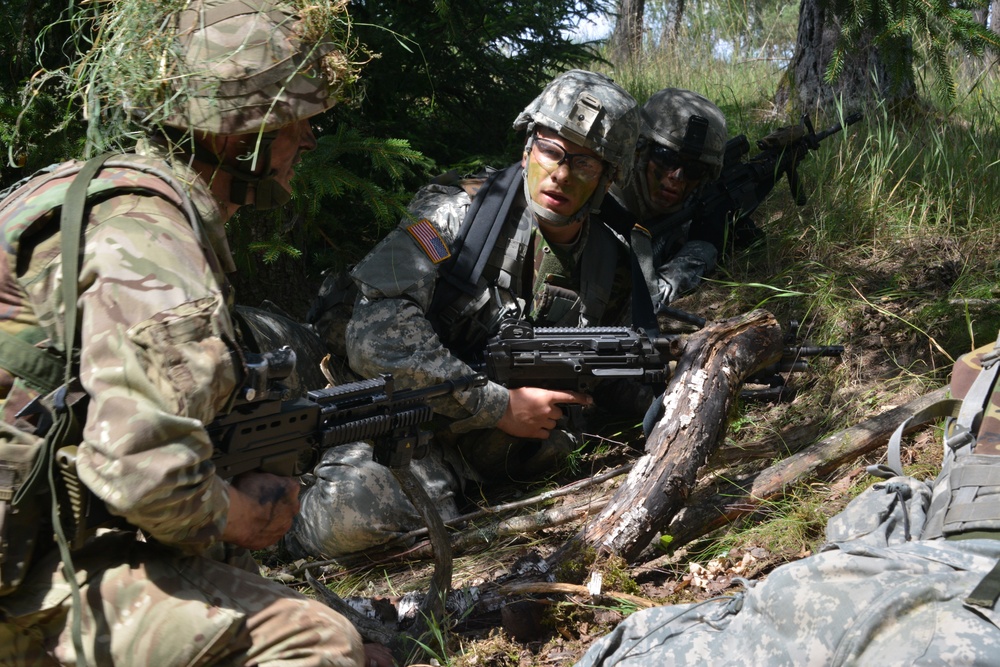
(886, 363)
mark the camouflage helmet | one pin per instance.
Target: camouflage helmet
(246, 66)
(590, 110)
(686, 122)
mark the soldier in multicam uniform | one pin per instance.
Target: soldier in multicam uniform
(157, 361)
(682, 140)
(552, 262)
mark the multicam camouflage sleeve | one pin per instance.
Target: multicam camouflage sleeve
(389, 331)
(156, 362)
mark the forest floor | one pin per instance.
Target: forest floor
(887, 362)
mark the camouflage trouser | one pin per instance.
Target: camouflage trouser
(876, 598)
(356, 504)
(146, 606)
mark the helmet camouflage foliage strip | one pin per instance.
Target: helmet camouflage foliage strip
(591, 110)
(219, 66)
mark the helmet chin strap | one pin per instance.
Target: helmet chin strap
(268, 192)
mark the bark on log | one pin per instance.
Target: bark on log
(707, 379)
(728, 500)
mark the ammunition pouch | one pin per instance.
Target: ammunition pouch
(20, 523)
(26, 478)
(967, 499)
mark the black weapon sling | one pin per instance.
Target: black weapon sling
(475, 240)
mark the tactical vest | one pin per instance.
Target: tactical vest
(58, 195)
(491, 274)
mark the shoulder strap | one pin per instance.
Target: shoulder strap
(477, 236)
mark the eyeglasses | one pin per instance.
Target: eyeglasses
(668, 159)
(551, 155)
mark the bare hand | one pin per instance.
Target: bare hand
(533, 412)
(261, 509)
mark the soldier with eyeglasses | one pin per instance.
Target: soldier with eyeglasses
(682, 141)
(551, 261)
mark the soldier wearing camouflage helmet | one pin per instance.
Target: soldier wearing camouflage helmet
(551, 261)
(681, 148)
(172, 582)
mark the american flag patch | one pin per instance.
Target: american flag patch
(425, 234)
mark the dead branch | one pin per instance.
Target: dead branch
(706, 381)
(545, 587)
(726, 500)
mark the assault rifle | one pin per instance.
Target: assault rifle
(576, 359)
(780, 154)
(269, 432)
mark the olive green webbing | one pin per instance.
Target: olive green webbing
(71, 226)
(42, 371)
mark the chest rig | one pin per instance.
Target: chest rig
(501, 267)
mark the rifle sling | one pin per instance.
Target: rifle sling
(477, 236)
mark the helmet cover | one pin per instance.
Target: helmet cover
(245, 67)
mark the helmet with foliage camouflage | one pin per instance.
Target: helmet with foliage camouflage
(246, 66)
(591, 110)
(686, 122)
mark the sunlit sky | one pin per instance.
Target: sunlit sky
(598, 26)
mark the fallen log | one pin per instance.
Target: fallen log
(726, 500)
(706, 381)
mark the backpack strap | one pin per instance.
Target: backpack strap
(71, 227)
(475, 240)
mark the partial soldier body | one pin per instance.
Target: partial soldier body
(158, 360)
(551, 262)
(682, 139)
(908, 575)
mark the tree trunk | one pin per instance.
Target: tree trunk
(727, 500)
(696, 404)
(626, 39)
(981, 15)
(995, 16)
(865, 76)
